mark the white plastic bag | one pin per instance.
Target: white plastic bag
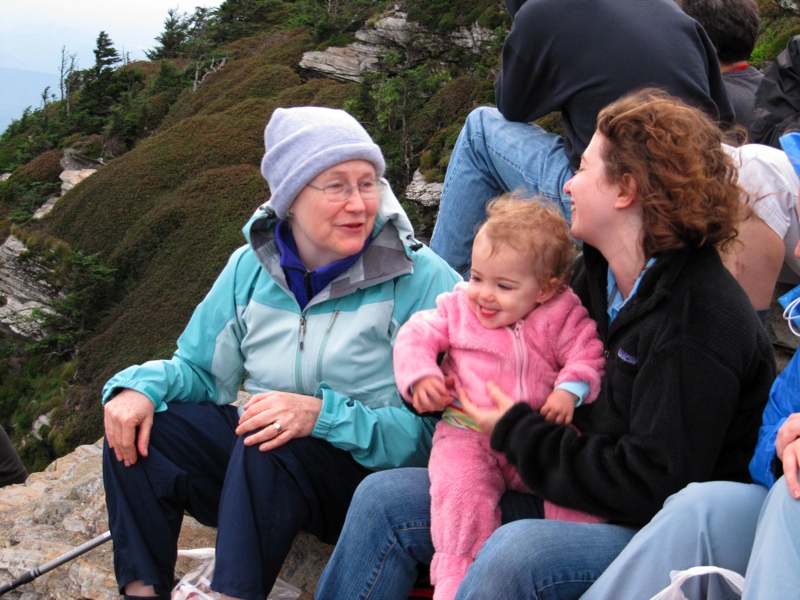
(673, 590)
(196, 584)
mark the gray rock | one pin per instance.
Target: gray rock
(392, 31)
(791, 5)
(72, 177)
(423, 192)
(64, 506)
(21, 289)
(73, 160)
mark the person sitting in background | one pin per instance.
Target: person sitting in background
(11, 468)
(575, 57)
(304, 317)
(516, 321)
(732, 26)
(763, 254)
(777, 109)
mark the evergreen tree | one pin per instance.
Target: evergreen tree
(105, 55)
(242, 18)
(101, 86)
(173, 38)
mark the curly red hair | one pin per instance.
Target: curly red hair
(686, 183)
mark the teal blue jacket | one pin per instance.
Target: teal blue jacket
(249, 331)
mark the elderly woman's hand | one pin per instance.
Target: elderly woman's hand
(277, 417)
(787, 447)
(487, 418)
(122, 415)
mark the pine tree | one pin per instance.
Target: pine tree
(173, 38)
(105, 55)
(102, 86)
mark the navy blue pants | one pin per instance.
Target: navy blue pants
(258, 500)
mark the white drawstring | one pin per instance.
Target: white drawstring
(792, 315)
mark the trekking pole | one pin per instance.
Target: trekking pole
(56, 562)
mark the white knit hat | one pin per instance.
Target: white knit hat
(302, 142)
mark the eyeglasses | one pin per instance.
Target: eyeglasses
(340, 192)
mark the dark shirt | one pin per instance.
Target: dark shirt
(577, 56)
(741, 85)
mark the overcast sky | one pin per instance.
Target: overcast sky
(32, 33)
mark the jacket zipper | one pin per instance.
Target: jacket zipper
(322, 347)
(521, 364)
(302, 331)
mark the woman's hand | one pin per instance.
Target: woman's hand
(487, 418)
(277, 417)
(787, 447)
(122, 415)
(430, 395)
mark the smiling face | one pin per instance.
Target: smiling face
(593, 195)
(326, 231)
(503, 288)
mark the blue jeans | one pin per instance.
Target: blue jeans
(710, 523)
(492, 156)
(773, 571)
(387, 534)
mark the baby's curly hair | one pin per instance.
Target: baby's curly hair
(687, 184)
(534, 226)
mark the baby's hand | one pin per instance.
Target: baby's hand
(430, 395)
(559, 407)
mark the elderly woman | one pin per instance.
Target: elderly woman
(304, 317)
(688, 371)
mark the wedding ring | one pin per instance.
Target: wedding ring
(277, 426)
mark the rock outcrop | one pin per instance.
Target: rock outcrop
(77, 167)
(790, 5)
(392, 31)
(423, 192)
(21, 290)
(63, 507)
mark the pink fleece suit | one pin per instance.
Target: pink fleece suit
(557, 342)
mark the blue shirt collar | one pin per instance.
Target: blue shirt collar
(615, 299)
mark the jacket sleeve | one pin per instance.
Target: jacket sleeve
(391, 436)
(685, 399)
(580, 350)
(208, 362)
(378, 438)
(784, 399)
(418, 344)
(777, 104)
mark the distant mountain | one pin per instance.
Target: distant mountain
(20, 89)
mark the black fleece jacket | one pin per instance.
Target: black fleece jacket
(688, 373)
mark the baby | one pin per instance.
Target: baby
(517, 323)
